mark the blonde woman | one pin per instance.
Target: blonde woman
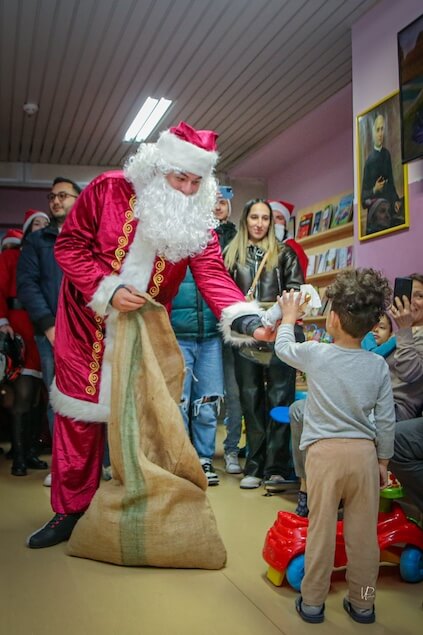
(263, 386)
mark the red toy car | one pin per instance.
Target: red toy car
(400, 541)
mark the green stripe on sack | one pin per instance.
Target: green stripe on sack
(134, 503)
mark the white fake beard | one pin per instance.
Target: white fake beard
(177, 225)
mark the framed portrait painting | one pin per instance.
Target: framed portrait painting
(410, 64)
(382, 198)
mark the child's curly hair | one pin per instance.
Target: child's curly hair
(359, 297)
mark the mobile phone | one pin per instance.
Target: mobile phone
(403, 286)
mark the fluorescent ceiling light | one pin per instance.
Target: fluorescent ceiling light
(147, 119)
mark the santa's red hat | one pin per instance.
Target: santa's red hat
(282, 206)
(11, 237)
(29, 217)
(189, 150)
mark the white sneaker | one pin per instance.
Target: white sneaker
(277, 483)
(47, 480)
(232, 465)
(212, 477)
(250, 482)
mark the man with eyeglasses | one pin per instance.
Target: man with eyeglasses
(39, 278)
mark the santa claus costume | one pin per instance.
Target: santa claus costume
(127, 229)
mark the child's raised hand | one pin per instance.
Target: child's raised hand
(290, 305)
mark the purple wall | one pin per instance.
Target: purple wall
(397, 254)
(375, 75)
(310, 161)
(305, 182)
(15, 202)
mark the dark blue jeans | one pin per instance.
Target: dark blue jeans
(47, 368)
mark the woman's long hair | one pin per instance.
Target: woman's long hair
(236, 251)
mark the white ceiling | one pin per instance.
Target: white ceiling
(246, 68)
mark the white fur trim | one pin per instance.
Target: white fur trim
(233, 312)
(136, 271)
(100, 300)
(31, 218)
(277, 206)
(77, 409)
(185, 156)
(10, 241)
(106, 366)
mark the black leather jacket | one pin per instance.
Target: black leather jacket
(287, 275)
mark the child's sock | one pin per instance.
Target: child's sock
(302, 509)
(311, 609)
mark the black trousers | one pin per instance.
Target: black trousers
(261, 388)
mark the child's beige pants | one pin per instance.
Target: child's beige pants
(344, 469)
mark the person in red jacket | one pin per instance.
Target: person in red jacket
(281, 214)
(14, 320)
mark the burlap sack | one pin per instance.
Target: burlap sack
(154, 511)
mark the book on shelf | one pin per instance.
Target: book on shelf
(324, 309)
(350, 256)
(341, 258)
(311, 265)
(330, 259)
(321, 262)
(344, 211)
(291, 227)
(323, 299)
(326, 218)
(316, 222)
(304, 225)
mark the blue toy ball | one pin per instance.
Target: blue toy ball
(295, 572)
(411, 564)
(280, 414)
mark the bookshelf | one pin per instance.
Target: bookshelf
(334, 239)
(323, 279)
(330, 235)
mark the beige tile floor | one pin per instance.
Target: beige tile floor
(45, 592)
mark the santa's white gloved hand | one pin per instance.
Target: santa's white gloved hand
(274, 314)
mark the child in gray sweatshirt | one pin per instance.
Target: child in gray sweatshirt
(348, 435)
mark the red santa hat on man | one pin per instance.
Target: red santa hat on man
(29, 217)
(189, 150)
(284, 208)
(12, 238)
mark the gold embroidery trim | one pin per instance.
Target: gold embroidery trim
(123, 239)
(96, 351)
(120, 252)
(158, 277)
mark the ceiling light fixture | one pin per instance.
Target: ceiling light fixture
(30, 108)
(149, 115)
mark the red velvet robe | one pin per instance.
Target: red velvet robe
(92, 248)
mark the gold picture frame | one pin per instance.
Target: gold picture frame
(382, 198)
